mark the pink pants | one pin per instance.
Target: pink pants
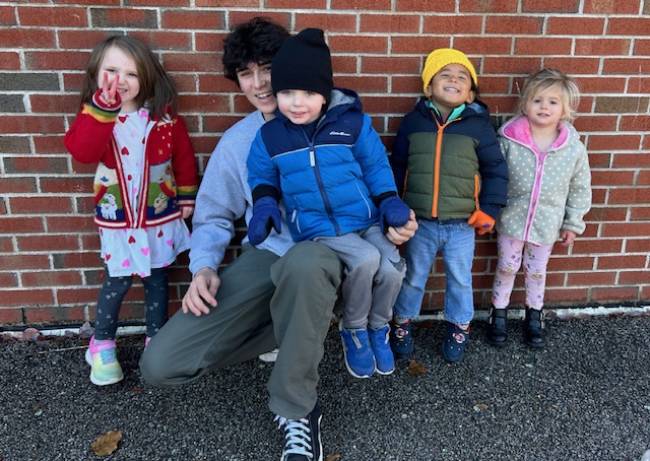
(535, 259)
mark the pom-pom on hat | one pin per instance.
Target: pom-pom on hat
(441, 57)
(303, 63)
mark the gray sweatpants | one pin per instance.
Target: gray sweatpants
(264, 302)
(374, 271)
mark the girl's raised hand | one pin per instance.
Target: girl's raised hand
(109, 89)
(567, 237)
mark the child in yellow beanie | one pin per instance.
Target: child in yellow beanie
(457, 182)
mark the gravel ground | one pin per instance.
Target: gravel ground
(586, 396)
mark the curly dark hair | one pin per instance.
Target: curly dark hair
(254, 41)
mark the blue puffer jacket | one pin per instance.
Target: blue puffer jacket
(329, 182)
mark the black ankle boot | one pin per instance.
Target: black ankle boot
(534, 328)
(497, 333)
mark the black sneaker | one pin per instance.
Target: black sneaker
(302, 437)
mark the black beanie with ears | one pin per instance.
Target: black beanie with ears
(303, 63)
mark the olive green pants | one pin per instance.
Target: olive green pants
(263, 302)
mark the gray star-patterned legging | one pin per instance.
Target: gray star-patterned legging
(112, 294)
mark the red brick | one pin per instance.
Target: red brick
(40, 205)
(610, 6)
(575, 26)
(124, 17)
(90, 242)
(212, 20)
(206, 41)
(9, 61)
(72, 81)
(612, 142)
(406, 85)
(481, 45)
(615, 294)
(632, 66)
(631, 160)
(76, 260)
(601, 85)
(393, 23)
(204, 103)
(20, 225)
(643, 178)
(53, 17)
(50, 278)
(81, 39)
(238, 17)
(635, 123)
(641, 47)
(602, 47)
(54, 103)
(637, 245)
(176, 3)
(218, 123)
(18, 261)
(358, 44)
(417, 44)
(24, 298)
(392, 65)
(453, 24)
(55, 316)
(596, 246)
(216, 84)
(344, 64)
(565, 295)
(329, 22)
(70, 296)
(8, 280)
(574, 66)
(163, 40)
(7, 16)
(361, 4)
(31, 124)
(320, 4)
(550, 6)
(363, 84)
(599, 160)
(588, 123)
(70, 224)
(608, 213)
(513, 25)
(488, 6)
(572, 263)
(591, 279)
(500, 104)
(56, 60)
(598, 196)
(542, 45)
(6, 245)
(185, 83)
(11, 316)
(27, 38)
(66, 185)
(386, 104)
(33, 164)
(612, 178)
(510, 65)
(625, 229)
(49, 144)
(89, 2)
(191, 62)
(632, 195)
(17, 185)
(628, 26)
(426, 6)
(634, 278)
(46, 242)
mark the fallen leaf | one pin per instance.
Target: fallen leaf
(106, 443)
(333, 457)
(480, 407)
(415, 368)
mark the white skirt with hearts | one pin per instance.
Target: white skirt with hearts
(136, 251)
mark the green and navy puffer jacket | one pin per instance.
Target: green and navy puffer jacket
(447, 170)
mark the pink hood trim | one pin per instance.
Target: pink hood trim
(518, 130)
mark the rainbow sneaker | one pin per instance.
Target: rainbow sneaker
(104, 367)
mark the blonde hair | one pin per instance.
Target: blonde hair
(546, 78)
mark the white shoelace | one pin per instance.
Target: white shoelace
(297, 436)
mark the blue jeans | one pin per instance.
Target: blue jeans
(456, 241)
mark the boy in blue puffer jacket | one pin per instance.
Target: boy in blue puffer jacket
(324, 159)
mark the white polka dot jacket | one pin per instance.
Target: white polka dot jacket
(547, 191)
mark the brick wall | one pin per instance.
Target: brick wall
(49, 265)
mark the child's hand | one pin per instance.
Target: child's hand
(567, 237)
(266, 215)
(482, 222)
(187, 211)
(109, 90)
(393, 212)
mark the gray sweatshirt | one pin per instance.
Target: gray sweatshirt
(224, 197)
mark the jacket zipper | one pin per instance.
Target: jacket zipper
(436, 165)
(535, 193)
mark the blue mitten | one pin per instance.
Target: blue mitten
(393, 212)
(266, 215)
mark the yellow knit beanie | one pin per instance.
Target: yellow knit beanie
(439, 58)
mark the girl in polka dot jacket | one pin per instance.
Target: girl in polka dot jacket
(549, 193)
(144, 187)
